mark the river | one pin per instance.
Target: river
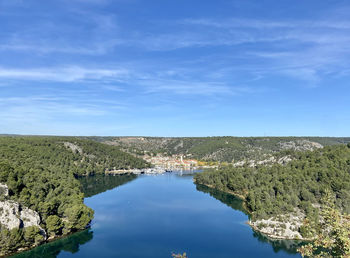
(157, 215)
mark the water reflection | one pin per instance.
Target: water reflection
(186, 173)
(69, 244)
(289, 246)
(90, 186)
(96, 184)
(156, 215)
(228, 199)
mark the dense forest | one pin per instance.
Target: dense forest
(221, 149)
(278, 189)
(40, 173)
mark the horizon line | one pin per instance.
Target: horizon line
(145, 136)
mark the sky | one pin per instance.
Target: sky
(175, 67)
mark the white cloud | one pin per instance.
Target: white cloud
(97, 48)
(65, 74)
(117, 80)
(268, 24)
(50, 114)
(191, 87)
(80, 31)
(37, 107)
(301, 49)
(306, 74)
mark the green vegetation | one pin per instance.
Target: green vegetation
(277, 189)
(40, 173)
(317, 183)
(222, 149)
(70, 244)
(333, 232)
(11, 240)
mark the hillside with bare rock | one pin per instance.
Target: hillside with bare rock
(219, 149)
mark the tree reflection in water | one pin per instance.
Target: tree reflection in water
(289, 246)
(91, 186)
(69, 244)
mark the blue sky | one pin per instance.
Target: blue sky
(175, 68)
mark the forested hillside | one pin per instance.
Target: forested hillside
(280, 189)
(40, 172)
(223, 149)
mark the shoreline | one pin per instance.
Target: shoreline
(156, 170)
(48, 240)
(275, 237)
(271, 236)
(149, 171)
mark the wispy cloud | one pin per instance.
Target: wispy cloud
(81, 62)
(48, 107)
(191, 88)
(75, 31)
(302, 49)
(65, 74)
(97, 48)
(41, 114)
(182, 40)
(267, 24)
(119, 80)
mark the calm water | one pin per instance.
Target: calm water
(153, 216)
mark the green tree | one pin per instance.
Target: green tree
(78, 217)
(54, 224)
(33, 235)
(333, 238)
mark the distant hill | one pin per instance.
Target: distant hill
(222, 149)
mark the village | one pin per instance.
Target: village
(162, 164)
(175, 162)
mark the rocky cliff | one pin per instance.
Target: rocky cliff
(14, 215)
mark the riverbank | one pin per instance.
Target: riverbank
(282, 227)
(47, 241)
(136, 171)
(239, 196)
(152, 171)
(167, 206)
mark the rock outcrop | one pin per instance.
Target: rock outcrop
(29, 217)
(281, 227)
(268, 161)
(300, 145)
(13, 215)
(9, 214)
(73, 147)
